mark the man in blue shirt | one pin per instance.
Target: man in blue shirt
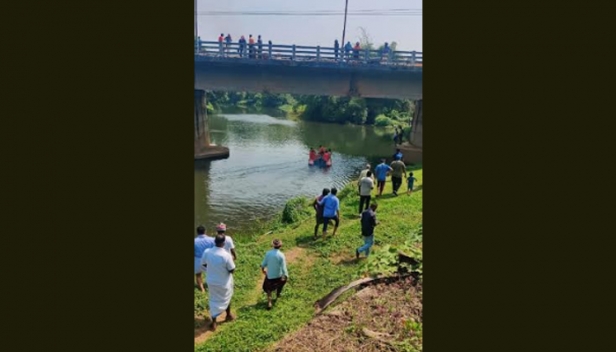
(274, 266)
(381, 172)
(202, 242)
(331, 210)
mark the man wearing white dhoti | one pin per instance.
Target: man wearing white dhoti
(202, 242)
(219, 268)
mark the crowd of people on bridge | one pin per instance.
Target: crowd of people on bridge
(253, 49)
(216, 256)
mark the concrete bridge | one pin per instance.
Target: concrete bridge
(304, 70)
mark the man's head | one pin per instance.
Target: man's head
(259, 36)
(222, 35)
(200, 230)
(325, 191)
(219, 240)
(383, 160)
(369, 174)
(397, 150)
(373, 206)
(277, 243)
(367, 166)
(221, 228)
(410, 174)
(334, 191)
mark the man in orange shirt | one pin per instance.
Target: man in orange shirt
(220, 46)
(251, 47)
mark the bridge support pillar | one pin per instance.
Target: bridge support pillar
(202, 135)
(417, 126)
(204, 149)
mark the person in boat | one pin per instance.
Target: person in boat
(312, 156)
(327, 157)
(322, 150)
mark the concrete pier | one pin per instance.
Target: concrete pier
(204, 149)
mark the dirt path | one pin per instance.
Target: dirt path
(203, 332)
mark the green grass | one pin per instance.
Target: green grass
(323, 266)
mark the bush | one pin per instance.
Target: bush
(382, 120)
(295, 210)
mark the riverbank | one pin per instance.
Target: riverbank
(315, 268)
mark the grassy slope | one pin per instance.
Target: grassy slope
(322, 267)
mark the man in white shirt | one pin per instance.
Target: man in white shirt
(229, 246)
(365, 191)
(219, 268)
(363, 173)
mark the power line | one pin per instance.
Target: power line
(384, 12)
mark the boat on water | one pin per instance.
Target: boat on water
(322, 159)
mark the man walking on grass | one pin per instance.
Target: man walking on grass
(219, 268)
(274, 266)
(319, 210)
(331, 211)
(398, 169)
(368, 223)
(221, 229)
(365, 190)
(202, 242)
(381, 172)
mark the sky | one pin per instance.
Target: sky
(313, 30)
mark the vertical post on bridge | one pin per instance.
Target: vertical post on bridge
(413, 57)
(293, 57)
(269, 51)
(318, 53)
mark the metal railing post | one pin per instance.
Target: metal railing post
(293, 57)
(318, 53)
(367, 56)
(269, 51)
(413, 58)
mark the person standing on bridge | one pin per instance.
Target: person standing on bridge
(336, 48)
(356, 50)
(228, 41)
(219, 270)
(251, 47)
(347, 50)
(274, 267)
(220, 45)
(381, 171)
(259, 47)
(242, 46)
(385, 52)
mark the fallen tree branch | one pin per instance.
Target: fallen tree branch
(321, 304)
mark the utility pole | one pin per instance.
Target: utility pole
(196, 29)
(346, 6)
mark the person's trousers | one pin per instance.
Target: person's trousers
(368, 242)
(396, 182)
(326, 222)
(362, 200)
(380, 185)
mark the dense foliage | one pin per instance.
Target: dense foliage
(359, 111)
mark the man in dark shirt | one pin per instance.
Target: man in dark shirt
(368, 223)
(319, 210)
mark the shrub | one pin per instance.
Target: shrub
(382, 120)
(295, 210)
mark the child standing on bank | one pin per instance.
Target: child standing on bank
(411, 180)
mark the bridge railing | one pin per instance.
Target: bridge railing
(308, 53)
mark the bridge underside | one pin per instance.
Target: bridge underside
(260, 77)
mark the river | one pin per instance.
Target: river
(268, 165)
